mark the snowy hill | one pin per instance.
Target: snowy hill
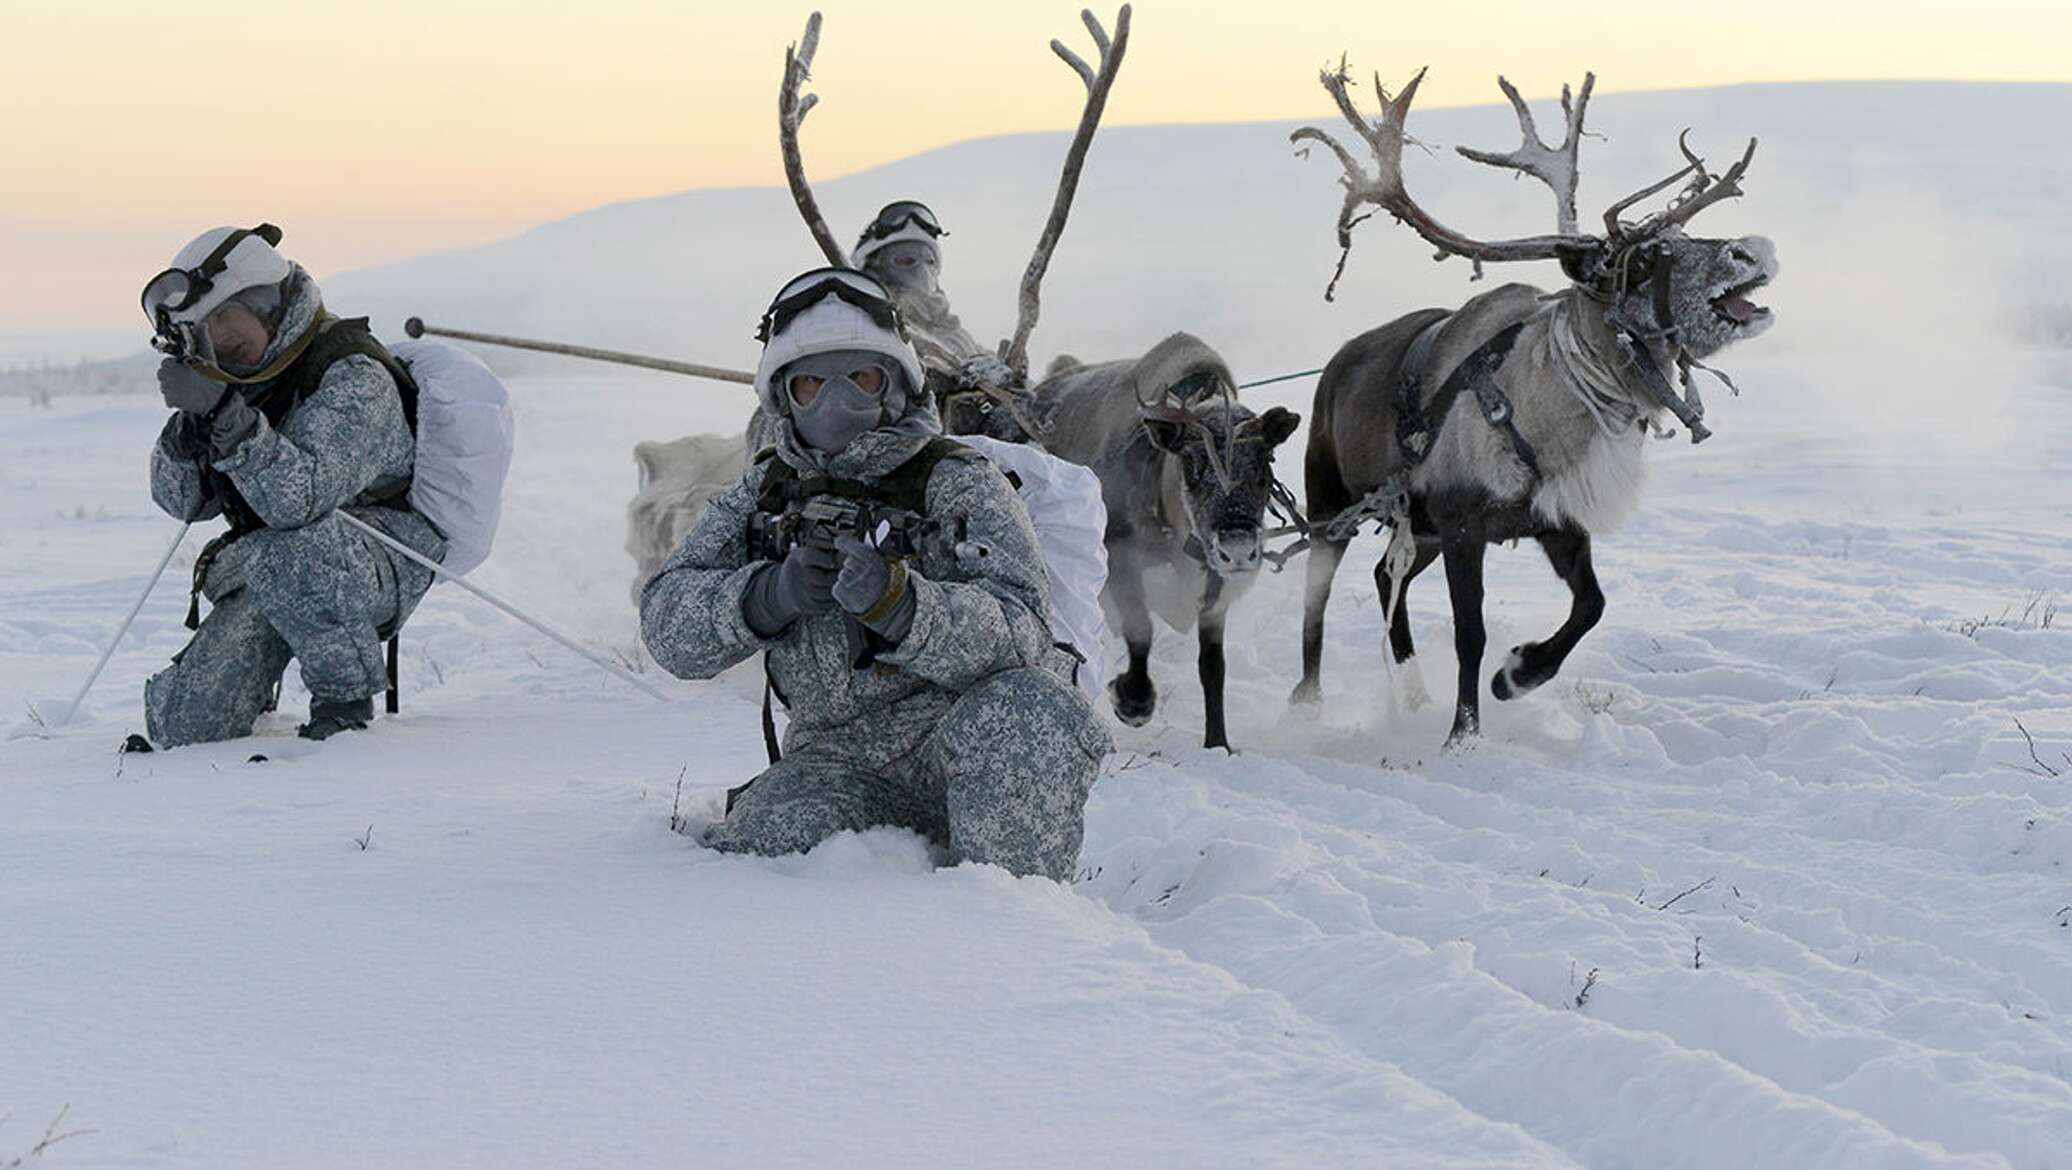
(1957, 189)
(1769, 877)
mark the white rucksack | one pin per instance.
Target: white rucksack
(1071, 521)
(465, 434)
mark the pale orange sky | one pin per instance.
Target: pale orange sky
(378, 129)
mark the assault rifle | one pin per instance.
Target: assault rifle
(895, 532)
(176, 339)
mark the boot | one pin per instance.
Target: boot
(327, 719)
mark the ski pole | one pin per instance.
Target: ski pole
(611, 668)
(416, 327)
(128, 619)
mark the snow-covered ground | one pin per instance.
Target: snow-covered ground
(1761, 880)
(1768, 877)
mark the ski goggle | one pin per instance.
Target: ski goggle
(871, 379)
(844, 284)
(895, 216)
(178, 289)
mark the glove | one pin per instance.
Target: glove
(984, 371)
(873, 590)
(186, 388)
(235, 422)
(800, 586)
(186, 437)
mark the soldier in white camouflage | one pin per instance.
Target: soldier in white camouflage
(901, 247)
(962, 724)
(283, 415)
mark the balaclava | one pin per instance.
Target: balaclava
(843, 410)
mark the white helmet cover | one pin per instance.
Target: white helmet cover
(829, 325)
(908, 233)
(253, 262)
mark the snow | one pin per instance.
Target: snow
(1767, 876)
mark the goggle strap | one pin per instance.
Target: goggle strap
(781, 312)
(201, 278)
(216, 261)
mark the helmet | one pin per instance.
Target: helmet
(907, 219)
(219, 264)
(825, 310)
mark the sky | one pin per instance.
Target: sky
(380, 129)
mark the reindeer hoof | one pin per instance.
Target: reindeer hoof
(1510, 679)
(1307, 693)
(1467, 731)
(1133, 709)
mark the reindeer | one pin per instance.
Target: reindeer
(1187, 475)
(1519, 414)
(677, 479)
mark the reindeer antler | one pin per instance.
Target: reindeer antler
(1701, 192)
(1098, 83)
(1384, 189)
(791, 113)
(1554, 166)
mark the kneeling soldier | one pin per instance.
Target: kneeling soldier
(283, 415)
(894, 581)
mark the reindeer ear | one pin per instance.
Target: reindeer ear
(1277, 424)
(1166, 435)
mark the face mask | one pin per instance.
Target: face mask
(909, 266)
(842, 410)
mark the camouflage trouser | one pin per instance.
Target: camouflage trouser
(1002, 778)
(320, 594)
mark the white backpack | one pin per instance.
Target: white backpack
(465, 434)
(1071, 521)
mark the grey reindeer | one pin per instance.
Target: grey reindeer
(1519, 414)
(1186, 474)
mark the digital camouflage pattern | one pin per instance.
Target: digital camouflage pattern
(968, 731)
(304, 587)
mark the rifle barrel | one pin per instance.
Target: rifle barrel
(416, 327)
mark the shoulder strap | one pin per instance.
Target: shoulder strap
(356, 338)
(906, 487)
(780, 481)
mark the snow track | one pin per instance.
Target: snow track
(1766, 878)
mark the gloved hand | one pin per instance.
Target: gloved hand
(186, 437)
(800, 586)
(984, 371)
(186, 388)
(874, 590)
(236, 420)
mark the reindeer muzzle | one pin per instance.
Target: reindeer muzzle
(1235, 550)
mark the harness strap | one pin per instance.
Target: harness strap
(203, 562)
(1651, 374)
(1413, 425)
(1417, 424)
(904, 487)
(771, 748)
